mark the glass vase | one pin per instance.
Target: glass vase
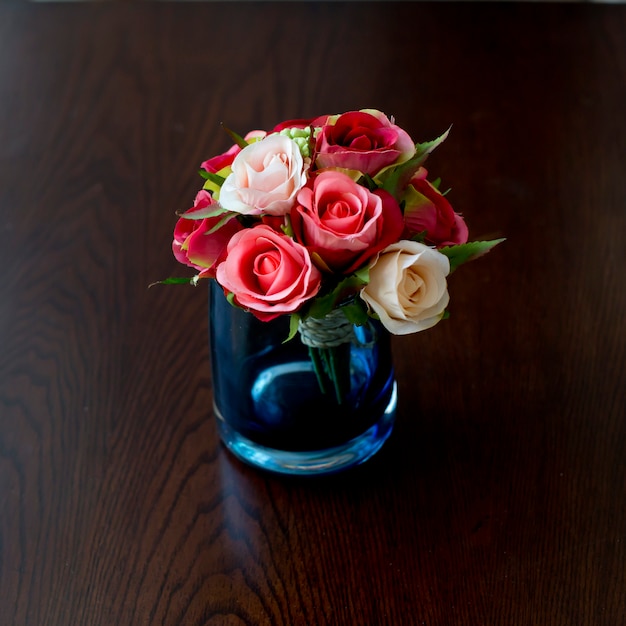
(292, 408)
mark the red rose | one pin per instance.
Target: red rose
(192, 245)
(427, 209)
(366, 141)
(300, 123)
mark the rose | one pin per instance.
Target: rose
(320, 120)
(344, 223)
(268, 273)
(365, 140)
(265, 178)
(194, 245)
(427, 209)
(296, 123)
(407, 288)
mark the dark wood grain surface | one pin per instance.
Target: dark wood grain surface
(500, 499)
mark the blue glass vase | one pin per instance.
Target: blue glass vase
(279, 408)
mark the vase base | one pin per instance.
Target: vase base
(312, 462)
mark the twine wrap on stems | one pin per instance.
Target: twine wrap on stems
(328, 340)
(326, 332)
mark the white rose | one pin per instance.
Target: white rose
(266, 176)
(407, 288)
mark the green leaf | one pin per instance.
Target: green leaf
(396, 178)
(219, 211)
(238, 139)
(468, 251)
(345, 289)
(287, 228)
(367, 181)
(228, 216)
(428, 146)
(294, 322)
(356, 312)
(200, 214)
(363, 275)
(176, 281)
(437, 183)
(322, 305)
(419, 237)
(212, 177)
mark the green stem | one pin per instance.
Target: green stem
(340, 371)
(318, 367)
(336, 374)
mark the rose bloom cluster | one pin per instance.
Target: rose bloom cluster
(288, 216)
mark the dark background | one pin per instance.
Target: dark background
(500, 498)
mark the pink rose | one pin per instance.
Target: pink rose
(345, 223)
(268, 273)
(426, 209)
(366, 141)
(219, 162)
(192, 245)
(265, 178)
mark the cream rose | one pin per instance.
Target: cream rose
(407, 288)
(265, 178)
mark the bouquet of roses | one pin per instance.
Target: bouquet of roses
(331, 221)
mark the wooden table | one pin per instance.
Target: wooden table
(500, 499)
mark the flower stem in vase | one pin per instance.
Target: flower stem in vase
(340, 370)
(329, 340)
(318, 367)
